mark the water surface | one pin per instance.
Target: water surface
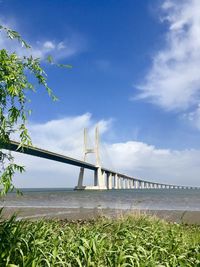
(154, 199)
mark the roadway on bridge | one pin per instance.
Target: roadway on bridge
(38, 152)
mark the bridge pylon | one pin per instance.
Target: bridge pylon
(99, 179)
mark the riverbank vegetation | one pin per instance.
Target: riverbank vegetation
(128, 241)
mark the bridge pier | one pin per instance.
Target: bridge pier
(99, 180)
(80, 178)
(115, 181)
(123, 183)
(126, 183)
(129, 183)
(132, 184)
(142, 185)
(119, 182)
(109, 180)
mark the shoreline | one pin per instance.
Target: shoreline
(35, 213)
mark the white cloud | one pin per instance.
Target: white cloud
(62, 49)
(138, 159)
(48, 45)
(193, 117)
(151, 163)
(68, 47)
(173, 82)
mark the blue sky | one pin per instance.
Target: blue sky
(135, 72)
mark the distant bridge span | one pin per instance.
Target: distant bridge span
(103, 178)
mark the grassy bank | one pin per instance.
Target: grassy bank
(129, 241)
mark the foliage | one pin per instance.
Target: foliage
(15, 75)
(129, 241)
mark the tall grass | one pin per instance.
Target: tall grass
(129, 241)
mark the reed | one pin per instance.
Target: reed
(127, 241)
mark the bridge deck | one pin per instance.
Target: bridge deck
(38, 152)
(34, 151)
(42, 153)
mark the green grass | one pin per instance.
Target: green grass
(129, 241)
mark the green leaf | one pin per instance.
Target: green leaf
(16, 76)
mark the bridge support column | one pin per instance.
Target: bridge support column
(136, 184)
(132, 184)
(119, 182)
(101, 179)
(80, 179)
(116, 181)
(109, 180)
(123, 183)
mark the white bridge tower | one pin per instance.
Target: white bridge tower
(99, 181)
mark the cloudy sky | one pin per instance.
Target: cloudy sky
(136, 73)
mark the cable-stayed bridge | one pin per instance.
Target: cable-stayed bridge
(103, 178)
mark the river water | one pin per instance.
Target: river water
(153, 199)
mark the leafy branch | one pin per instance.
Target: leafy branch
(15, 75)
